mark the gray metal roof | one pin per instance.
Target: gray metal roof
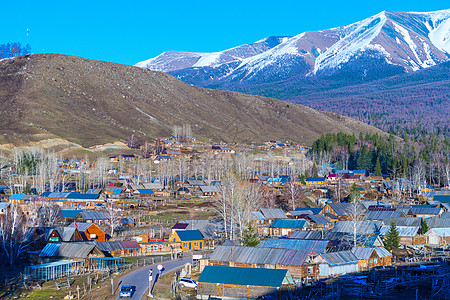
(383, 214)
(153, 186)
(259, 255)
(362, 227)
(438, 222)
(425, 210)
(442, 232)
(94, 215)
(346, 209)
(308, 245)
(300, 212)
(365, 253)
(195, 182)
(273, 213)
(73, 250)
(412, 221)
(318, 219)
(81, 226)
(65, 233)
(209, 189)
(257, 215)
(382, 252)
(402, 230)
(362, 253)
(340, 257)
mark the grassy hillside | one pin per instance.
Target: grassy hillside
(92, 102)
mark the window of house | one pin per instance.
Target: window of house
(310, 270)
(371, 261)
(185, 245)
(375, 261)
(196, 244)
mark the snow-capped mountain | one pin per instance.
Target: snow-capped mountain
(384, 44)
(177, 60)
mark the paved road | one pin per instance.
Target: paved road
(139, 278)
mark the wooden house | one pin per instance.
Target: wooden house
(209, 190)
(336, 263)
(90, 231)
(243, 283)
(96, 217)
(160, 247)
(372, 257)
(189, 239)
(264, 218)
(69, 215)
(316, 181)
(72, 250)
(342, 211)
(409, 235)
(438, 237)
(286, 227)
(259, 257)
(120, 248)
(128, 157)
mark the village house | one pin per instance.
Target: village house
(189, 239)
(316, 181)
(69, 215)
(96, 217)
(438, 237)
(90, 231)
(120, 248)
(209, 190)
(409, 235)
(342, 211)
(241, 283)
(312, 246)
(336, 263)
(372, 257)
(80, 251)
(286, 227)
(257, 257)
(264, 218)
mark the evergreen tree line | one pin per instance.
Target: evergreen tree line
(13, 50)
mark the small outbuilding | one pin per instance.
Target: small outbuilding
(238, 283)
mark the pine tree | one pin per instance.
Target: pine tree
(250, 236)
(378, 168)
(354, 193)
(392, 240)
(424, 227)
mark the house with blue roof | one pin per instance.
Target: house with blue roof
(284, 228)
(237, 283)
(189, 239)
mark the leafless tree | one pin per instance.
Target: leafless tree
(113, 217)
(295, 191)
(146, 150)
(15, 236)
(132, 142)
(356, 215)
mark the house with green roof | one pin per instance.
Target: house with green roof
(189, 239)
(238, 283)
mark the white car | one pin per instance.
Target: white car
(187, 282)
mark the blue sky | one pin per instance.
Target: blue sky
(131, 31)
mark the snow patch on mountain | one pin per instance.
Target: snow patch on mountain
(359, 38)
(440, 36)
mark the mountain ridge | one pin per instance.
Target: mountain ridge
(93, 102)
(402, 41)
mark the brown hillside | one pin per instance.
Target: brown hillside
(92, 102)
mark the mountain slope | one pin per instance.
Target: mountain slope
(92, 102)
(386, 44)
